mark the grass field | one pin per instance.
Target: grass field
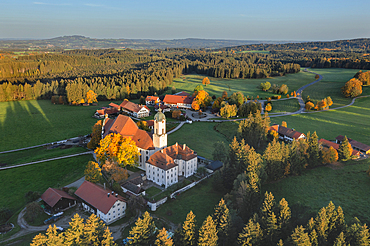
(331, 84)
(199, 136)
(16, 182)
(290, 105)
(28, 123)
(353, 121)
(201, 200)
(249, 87)
(347, 187)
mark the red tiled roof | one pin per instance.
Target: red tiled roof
(97, 196)
(150, 122)
(161, 160)
(51, 196)
(107, 111)
(174, 99)
(151, 98)
(180, 151)
(182, 93)
(113, 105)
(125, 126)
(289, 132)
(355, 143)
(328, 144)
(130, 106)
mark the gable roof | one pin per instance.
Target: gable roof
(328, 144)
(161, 160)
(214, 165)
(132, 187)
(133, 107)
(180, 151)
(182, 93)
(355, 143)
(97, 196)
(174, 99)
(151, 98)
(113, 105)
(125, 126)
(51, 196)
(289, 132)
(107, 111)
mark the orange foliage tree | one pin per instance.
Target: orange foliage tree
(329, 155)
(195, 105)
(309, 105)
(92, 172)
(206, 81)
(95, 135)
(176, 114)
(116, 173)
(352, 88)
(115, 148)
(268, 107)
(91, 97)
(202, 98)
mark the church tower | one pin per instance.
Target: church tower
(160, 135)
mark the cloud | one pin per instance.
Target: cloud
(52, 4)
(94, 5)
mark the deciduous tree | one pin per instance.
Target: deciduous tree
(352, 88)
(91, 97)
(208, 233)
(143, 232)
(93, 172)
(206, 81)
(163, 238)
(95, 135)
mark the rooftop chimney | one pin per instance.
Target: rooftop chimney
(108, 194)
(116, 195)
(112, 192)
(183, 147)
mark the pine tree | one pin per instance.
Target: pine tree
(345, 150)
(340, 240)
(74, 233)
(53, 237)
(300, 237)
(313, 150)
(252, 234)
(221, 218)
(188, 230)
(208, 233)
(284, 217)
(143, 231)
(107, 238)
(92, 228)
(269, 221)
(163, 239)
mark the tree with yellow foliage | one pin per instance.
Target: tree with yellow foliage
(352, 88)
(95, 135)
(91, 97)
(202, 98)
(268, 107)
(115, 148)
(92, 172)
(116, 173)
(195, 105)
(309, 105)
(206, 81)
(329, 155)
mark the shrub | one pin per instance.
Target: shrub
(5, 214)
(33, 210)
(32, 196)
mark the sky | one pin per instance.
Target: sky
(291, 20)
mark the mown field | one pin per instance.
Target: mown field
(249, 87)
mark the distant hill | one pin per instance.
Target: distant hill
(81, 42)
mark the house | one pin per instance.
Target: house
(287, 134)
(100, 113)
(57, 200)
(355, 144)
(166, 165)
(327, 144)
(176, 101)
(164, 108)
(106, 204)
(214, 165)
(151, 100)
(132, 189)
(134, 110)
(150, 124)
(147, 143)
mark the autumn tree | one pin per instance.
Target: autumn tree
(188, 233)
(206, 81)
(265, 86)
(91, 96)
(195, 105)
(224, 95)
(208, 233)
(284, 124)
(228, 111)
(143, 232)
(345, 150)
(95, 135)
(176, 114)
(198, 88)
(237, 98)
(329, 155)
(163, 239)
(283, 89)
(252, 234)
(222, 220)
(93, 172)
(309, 105)
(118, 149)
(352, 88)
(202, 98)
(268, 107)
(116, 173)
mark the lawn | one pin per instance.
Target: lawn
(353, 121)
(16, 182)
(289, 105)
(249, 87)
(199, 136)
(331, 84)
(347, 187)
(152, 191)
(37, 154)
(201, 200)
(28, 123)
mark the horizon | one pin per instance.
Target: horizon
(168, 20)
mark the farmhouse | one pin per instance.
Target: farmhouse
(57, 200)
(327, 144)
(133, 109)
(164, 108)
(355, 144)
(106, 204)
(133, 187)
(177, 101)
(287, 134)
(100, 113)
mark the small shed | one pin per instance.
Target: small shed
(214, 165)
(58, 200)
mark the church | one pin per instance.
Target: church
(163, 164)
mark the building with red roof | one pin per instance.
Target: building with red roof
(106, 204)
(177, 101)
(327, 144)
(134, 109)
(57, 200)
(151, 100)
(355, 144)
(287, 134)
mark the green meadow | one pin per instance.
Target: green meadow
(289, 105)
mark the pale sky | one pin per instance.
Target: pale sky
(164, 19)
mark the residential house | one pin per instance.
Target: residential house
(355, 144)
(151, 100)
(57, 200)
(106, 204)
(327, 144)
(100, 113)
(164, 108)
(134, 110)
(287, 134)
(176, 101)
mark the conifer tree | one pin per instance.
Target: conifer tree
(208, 233)
(74, 233)
(95, 135)
(252, 234)
(313, 150)
(340, 240)
(269, 222)
(188, 230)
(163, 239)
(143, 231)
(92, 228)
(345, 150)
(221, 218)
(299, 237)
(53, 237)
(284, 217)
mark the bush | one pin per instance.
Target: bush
(33, 210)
(5, 214)
(32, 196)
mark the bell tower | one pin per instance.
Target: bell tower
(160, 135)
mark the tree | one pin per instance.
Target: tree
(206, 81)
(208, 233)
(202, 98)
(33, 210)
(220, 152)
(300, 237)
(329, 155)
(163, 238)
(309, 105)
(198, 88)
(188, 230)
(284, 124)
(228, 111)
(329, 101)
(224, 95)
(268, 107)
(345, 150)
(236, 98)
(221, 218)
(252, 234)
(95, 135)
(115, 148)
(265, 86)
(283, 89)
(143, 232)
(352, 88)
(91, 97)
(93, 172)
(176, 114)
(116, 172)
(195, 105)
(313, 150)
